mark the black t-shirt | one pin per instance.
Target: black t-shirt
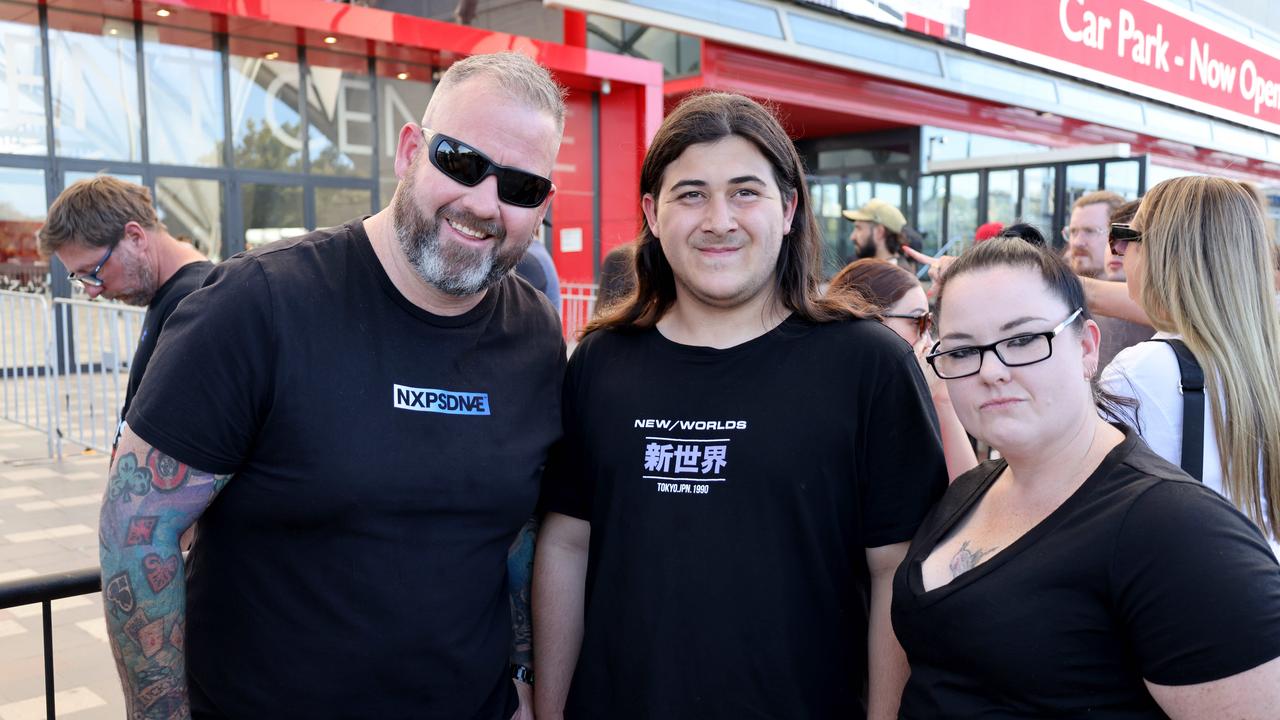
(187, 279)
(384, 458)
(732, 495)
(1141, 573)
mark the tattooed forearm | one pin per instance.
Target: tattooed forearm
(150, 500)
(519, 580)
(966, 559)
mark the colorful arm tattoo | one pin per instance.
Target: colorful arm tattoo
(519, 580)
(151, 500)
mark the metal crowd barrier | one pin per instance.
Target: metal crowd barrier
(577, 304)
(96, 341)
(26, 361)
(44, 590)
(64, 366)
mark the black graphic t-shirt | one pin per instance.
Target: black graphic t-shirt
(732, 495)
(183, 283)
(1142, 573)
(383, 457)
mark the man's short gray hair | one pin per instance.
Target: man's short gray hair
(517, 75)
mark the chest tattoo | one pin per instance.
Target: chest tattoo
(966, 559)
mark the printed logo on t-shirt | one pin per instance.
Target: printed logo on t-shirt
(681, 464)
(432, 400)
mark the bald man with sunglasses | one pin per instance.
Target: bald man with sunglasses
(357, 419)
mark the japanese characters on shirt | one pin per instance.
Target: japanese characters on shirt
(681, 458)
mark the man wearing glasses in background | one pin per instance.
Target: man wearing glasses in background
(1086, 236)
(371, 406)
(105, 231)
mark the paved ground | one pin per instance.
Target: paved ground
(48, 523)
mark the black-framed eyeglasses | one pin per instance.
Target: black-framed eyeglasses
(923, 321)
(467, 165)
(1016, 351)
(1121, 235)
(91, 278)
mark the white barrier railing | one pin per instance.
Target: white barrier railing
(65, 370)
(577, 304)
(26, 355)
(97, 341)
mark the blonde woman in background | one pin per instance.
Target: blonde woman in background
(1197, 258)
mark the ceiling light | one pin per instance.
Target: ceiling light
(329, 39)
(402, 76)
(113, 31)
(272, 55)
(162, 12)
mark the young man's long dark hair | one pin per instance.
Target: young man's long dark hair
(707, 118)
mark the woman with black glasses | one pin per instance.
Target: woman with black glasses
(1081, 574)
(1198, 260)
(903, 307)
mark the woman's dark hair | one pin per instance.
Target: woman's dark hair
(1126, 212)
(708, 118)
(1025, 232)
(1057, 276)
(881, 283)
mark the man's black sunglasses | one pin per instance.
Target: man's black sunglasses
(467, 165)
(1121, 235)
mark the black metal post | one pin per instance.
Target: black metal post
(46, 607)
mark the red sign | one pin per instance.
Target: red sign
(1148, 48)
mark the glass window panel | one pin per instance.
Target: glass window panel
(270, 212)
(853, 157)
(820, 193)
(387, 190)
(689, 56)
(1002, 196)
(403, 92)
(95, 87)
(729, 13)
(339, 114)
(962, 209)
(823, 34)
(856, 194)
(74, 176)
(654, 44)
(192, 211)
(1082, 179)
(184, 97)
(22, 126)
(830, 205)
(1122, 177)
(22, 211)
(933, 196)
(265, 124)
(335, 206)
(892, 194)
(1037, 199)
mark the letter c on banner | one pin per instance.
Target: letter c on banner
(1074, 36)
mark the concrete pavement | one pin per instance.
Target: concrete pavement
(48, 523)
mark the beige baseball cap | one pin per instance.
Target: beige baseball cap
(879, 211)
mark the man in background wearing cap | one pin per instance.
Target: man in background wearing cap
(877, 231)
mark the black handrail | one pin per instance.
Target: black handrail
(44, 590)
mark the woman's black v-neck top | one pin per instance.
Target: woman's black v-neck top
(1142, 573)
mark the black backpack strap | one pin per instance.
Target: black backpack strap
(1192, 389)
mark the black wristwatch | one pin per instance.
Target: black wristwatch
(523, 673)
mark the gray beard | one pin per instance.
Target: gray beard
(454, 270)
